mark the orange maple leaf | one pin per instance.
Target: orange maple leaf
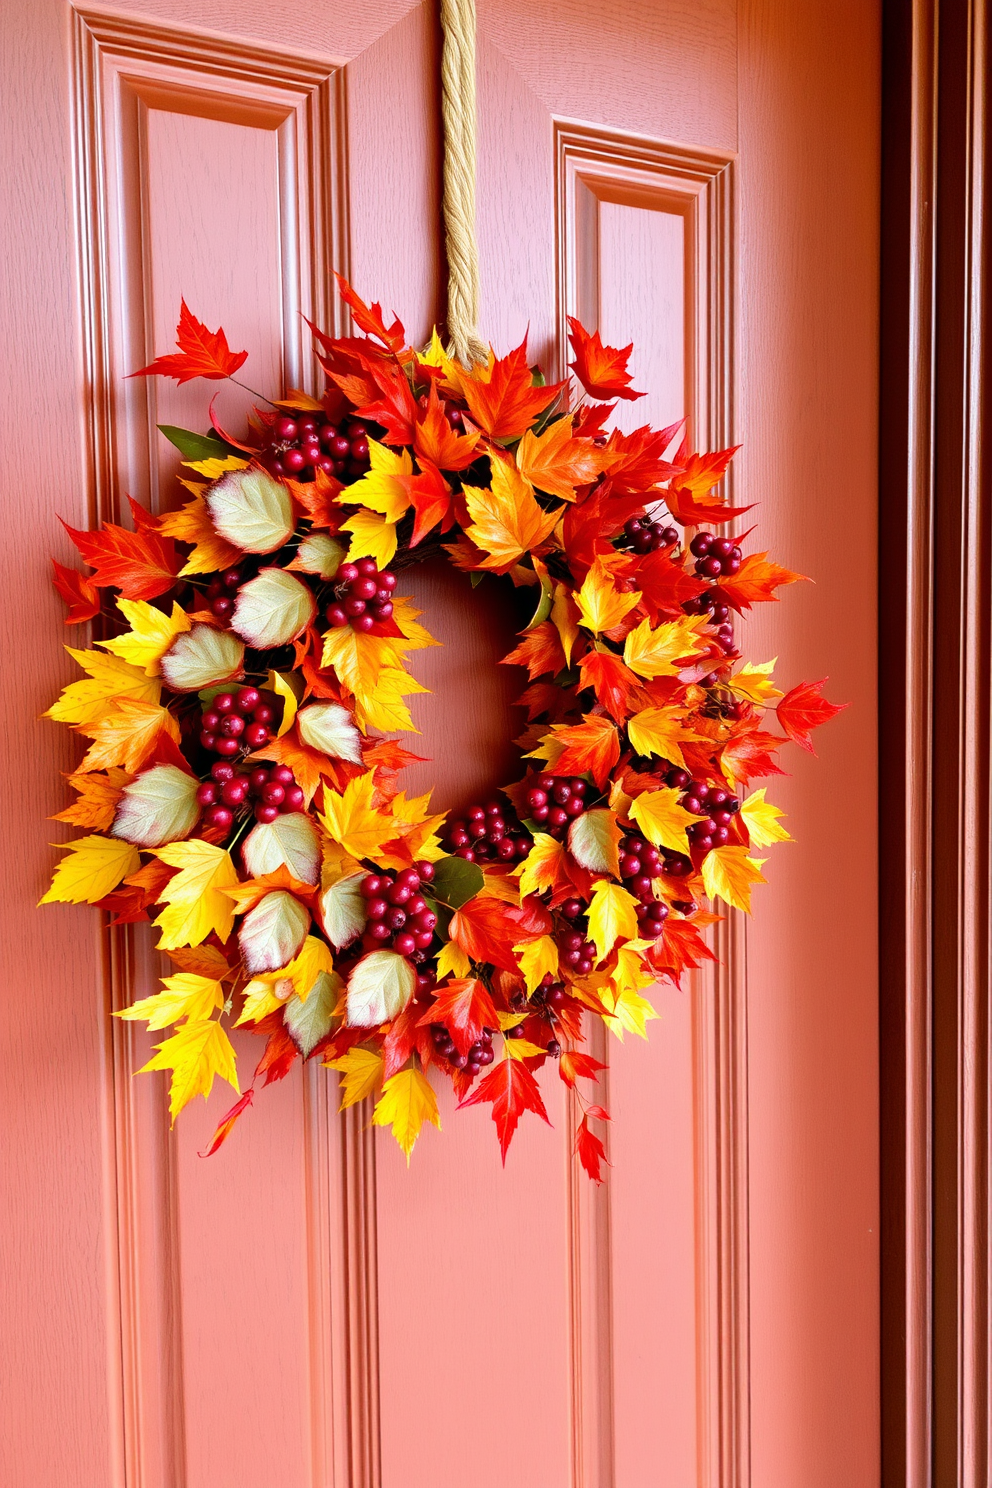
(192, 524)
(637, 462)
(540, 650)
(128, 736)
(318, 499)
(680, 948)
(465, 1008)
(804, 709)
(611, 681)
(589, 1148)
(602, 370)
(140, 564)
(507, 403)
(308, 765)
(432, 499)
(506, 521)
(665, 586)
(436, 441)
(487, 929)
(755, 582)
(392, 404)
(592, 745)
(748, 754)
(557, 461)
(202, 353)
(369, 318)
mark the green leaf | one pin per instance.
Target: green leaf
(456, 881)
(476, 577)
(197, 446)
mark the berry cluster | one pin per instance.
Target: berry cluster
(221, 592)
(716, 557)
(235, 721)
(648, 537)
(640, 865)
(398, 916)
(576, 952)
(711, 603)
(480, 1054)
(303, 445)
(272, 790)
(486, 834)
(715, 805)
(363, 595)
(553, 801)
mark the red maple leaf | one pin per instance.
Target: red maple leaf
(202, 353)
(79, 593)
(391, 404)
(487, 929)
(637, 462)
(591, 745)
(512, 1089)
(588, 1147)
(589, 525)
(508, 403)
(665, 586)
(749, 753)
(141, 564)
(610, 679)
(369, 318)
(279, 1054)
(465, 1008)
(602, 370)
(804, 709)
(226, 1123)
(405, 1035)
(432, 498)
(590, 418)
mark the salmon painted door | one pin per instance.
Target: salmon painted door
(302, 1311)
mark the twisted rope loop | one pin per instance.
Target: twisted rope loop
(458, 204)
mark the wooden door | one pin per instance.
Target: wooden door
(301, 1309)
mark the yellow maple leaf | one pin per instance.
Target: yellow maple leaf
(452, 961)
(215, 465)
(128, 736)
(360, 1070)
(263, 995)
(612, 916)
(385, 709)
(415, 636)
(96, 804)
(662, 820)
(761, 819)
(542, 866)
(192, 524)
(383, 488)
(352, 820)
(728, 874)
(152, 633)
(194, 898)
(655, 652)
(601, 605)
(631, 1011)
(195, 1053)
(281, 684)
(407, 1101)
(372, 537)
(506, 520)
(313, 958)
(109, 679)
(537, 958)
(754, 683)
(661, 731)
(94, 868)
(186, 995)
(357, 659)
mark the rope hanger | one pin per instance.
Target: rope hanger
(458, 201)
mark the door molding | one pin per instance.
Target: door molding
(936, 721)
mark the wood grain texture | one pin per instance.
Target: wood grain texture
(809, 182)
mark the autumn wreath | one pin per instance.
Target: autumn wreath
(239, 785)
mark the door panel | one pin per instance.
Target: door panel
(303, 1309)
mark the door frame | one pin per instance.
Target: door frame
(935, 637)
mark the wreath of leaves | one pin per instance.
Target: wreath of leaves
(633, 686)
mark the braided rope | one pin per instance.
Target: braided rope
(458, 204)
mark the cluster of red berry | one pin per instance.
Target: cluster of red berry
(547, 997)
(480, 1054)
(553, 801)
(308, 442)
(716, 557)
(716, 806)
(236, 720)
(362, 595)
(576, 952)
(272, 789)
(398, 916)
(489, 833)
(649, 537)
(221, 592)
